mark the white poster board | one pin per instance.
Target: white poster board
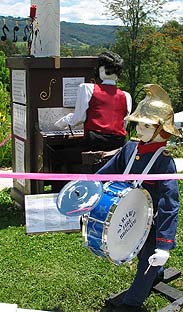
(19, 86)
(70, 88)
(19, 159)
(42, 215)
(19, 120)
(6, 307)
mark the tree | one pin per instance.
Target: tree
(174, 31)
(8, 47)
(162, 66)
(135, 34)
(172, 28)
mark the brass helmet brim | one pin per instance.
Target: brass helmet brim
(155, 109)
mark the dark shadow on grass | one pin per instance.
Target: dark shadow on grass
(11, 219)
(106, 309)
(10, 214)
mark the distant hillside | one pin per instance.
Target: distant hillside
(77, 33)
(71, 33)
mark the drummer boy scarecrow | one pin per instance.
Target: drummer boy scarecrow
(155, 125)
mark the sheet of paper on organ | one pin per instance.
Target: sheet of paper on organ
(48, 116)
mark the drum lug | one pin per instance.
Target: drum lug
(84, 227)
(110, 214)
(124, 193)
(104, 234)
(104, 247)
(113, 208)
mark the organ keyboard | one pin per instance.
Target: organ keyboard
(64, 133)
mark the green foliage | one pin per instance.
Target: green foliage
(8, 47)
(4, 100)
(5, 200)
(4, 72)
(65, 51)
(86, 50)
(5, 123)
(10, 214)
(162, 66)
(172, 28)
(159, 60)
(21, 49)
(175, 147)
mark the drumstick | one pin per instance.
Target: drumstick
(149, 266)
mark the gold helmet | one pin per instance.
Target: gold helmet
(155, 109)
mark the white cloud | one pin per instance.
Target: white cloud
(175, 9)
(15, 8)
(79, 11)
(85, 11)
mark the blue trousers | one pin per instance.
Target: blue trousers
(142, 284)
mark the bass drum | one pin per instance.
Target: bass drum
(119, 224)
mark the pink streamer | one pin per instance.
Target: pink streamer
(90, 177)
(5, 140)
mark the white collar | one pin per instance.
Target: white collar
(109, 82)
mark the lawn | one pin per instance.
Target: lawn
(56, 272)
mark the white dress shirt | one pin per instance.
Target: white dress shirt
(84, 94)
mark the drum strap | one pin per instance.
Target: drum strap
(147, 168)
(130, 163)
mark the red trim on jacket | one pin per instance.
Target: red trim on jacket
(164, 240)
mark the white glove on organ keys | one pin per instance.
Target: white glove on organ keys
(159, 257)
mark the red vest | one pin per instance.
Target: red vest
(106, 112)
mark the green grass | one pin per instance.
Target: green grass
(55, 272)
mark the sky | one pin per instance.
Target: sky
(77, 11)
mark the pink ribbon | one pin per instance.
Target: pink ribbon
(90, 177)
(5, 140)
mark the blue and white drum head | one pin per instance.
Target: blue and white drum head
(79, 197)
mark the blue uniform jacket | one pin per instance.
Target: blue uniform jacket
(165, 194)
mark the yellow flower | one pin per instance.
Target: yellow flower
(2, 118)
